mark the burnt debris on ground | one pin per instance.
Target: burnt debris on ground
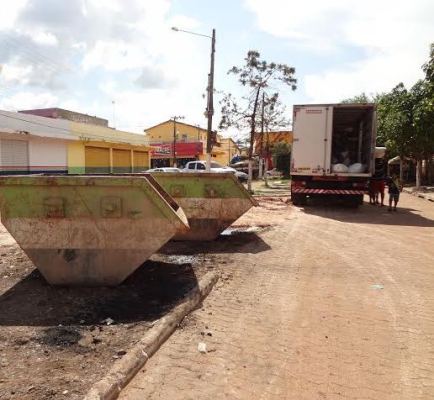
(73, 335)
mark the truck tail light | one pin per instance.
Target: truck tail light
(298, 184)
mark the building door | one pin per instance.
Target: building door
(141, 161)
(14, 156)
(160, 162)
(97, 160)
(121, 161)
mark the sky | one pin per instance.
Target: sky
(120, 60)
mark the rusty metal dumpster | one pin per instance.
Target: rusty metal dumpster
(88, 230)
(211, 201)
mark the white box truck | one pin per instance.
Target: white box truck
(333, 151)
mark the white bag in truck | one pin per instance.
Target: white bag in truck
(339, 168)
(356, 168)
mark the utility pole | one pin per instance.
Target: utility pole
(210, 105)
(261, 155)
(229, 151)
(174, 118)
(114, 113)
(210, 98)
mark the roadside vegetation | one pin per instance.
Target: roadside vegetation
(406, 121)
(258, 108)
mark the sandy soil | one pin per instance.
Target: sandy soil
(324, 303)
(56, 342)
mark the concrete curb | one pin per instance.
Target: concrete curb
(126, 368)
(420, 195)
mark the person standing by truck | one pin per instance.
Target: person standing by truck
(395, 187)
(380, 191)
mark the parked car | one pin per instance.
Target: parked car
(241, 176)
(243, 166)
(200, 166)
(164, 169)
(273, 173)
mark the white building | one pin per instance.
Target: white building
(33, 144)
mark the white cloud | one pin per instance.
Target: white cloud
(389, 41)
(28, 100)
(114, 56)
(104, 50)
(10, 12)
(45, 38)
(11, 73)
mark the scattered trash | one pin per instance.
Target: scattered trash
(377, 286)
(201, 347)
(59, 336)
(108, 321)
(65, 392)
(243, 229)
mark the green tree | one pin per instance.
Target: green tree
(424, 113)
(273, 117)
(256, 75)
(282, 157)
(359, 99)
(405, 118)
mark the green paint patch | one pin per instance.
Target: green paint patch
(81, 196)
(187, 185)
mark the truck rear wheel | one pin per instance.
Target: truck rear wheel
(298, 199)
(355, 200)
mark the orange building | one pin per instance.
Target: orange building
(272, 138)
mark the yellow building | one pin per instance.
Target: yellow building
(188, 141)
(228, 149)
(105, 150)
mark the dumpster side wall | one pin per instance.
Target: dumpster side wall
(87, 230)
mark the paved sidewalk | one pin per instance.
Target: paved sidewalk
(331, 304)
(426, 192)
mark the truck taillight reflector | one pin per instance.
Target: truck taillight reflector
(298, 184)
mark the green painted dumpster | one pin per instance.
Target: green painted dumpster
(88, 230)
(211, 201)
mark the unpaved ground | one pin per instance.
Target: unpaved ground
(331, 303)
(56, 342)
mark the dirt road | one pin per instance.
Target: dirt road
(328, 304)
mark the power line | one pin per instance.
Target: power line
(90, 136)
(34, 122)
(31, 53)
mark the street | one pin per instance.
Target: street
(326, 303)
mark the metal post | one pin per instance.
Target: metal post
(229, 141)
(174, 142)
(174, 119)
(210, 106)
(261, 155)
(114, 113)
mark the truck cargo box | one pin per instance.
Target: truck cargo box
(334, 140)
(333, 151)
